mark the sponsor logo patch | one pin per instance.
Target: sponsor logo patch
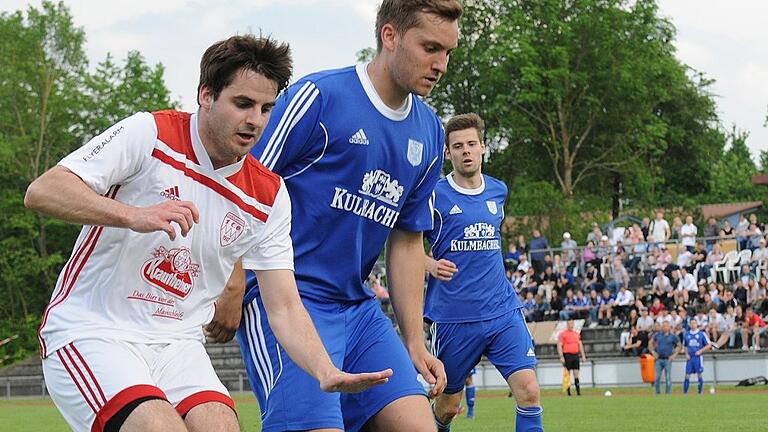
(171, 270)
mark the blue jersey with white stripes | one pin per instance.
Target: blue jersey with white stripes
(467, 232)
(355, 169)
(694, 341)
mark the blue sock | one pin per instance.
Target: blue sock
(529, 419)
(470, 400)
(701, 384)
(686, 384)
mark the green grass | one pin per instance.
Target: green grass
(627, 410)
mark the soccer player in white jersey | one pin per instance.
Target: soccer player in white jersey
(171, 202)
(473, 309)
(360, 154)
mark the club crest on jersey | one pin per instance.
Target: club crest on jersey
(171, 270)
(379, 184)
(231, 229)
(415, 150)
(492, 207)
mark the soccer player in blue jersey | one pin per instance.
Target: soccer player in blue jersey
(473, 309)
(696, 343)
(360, 154)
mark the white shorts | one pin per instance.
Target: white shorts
(91, 380)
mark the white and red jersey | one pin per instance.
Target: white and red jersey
(144, 287)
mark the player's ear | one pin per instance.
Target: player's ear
(205, 97)
(388, 37)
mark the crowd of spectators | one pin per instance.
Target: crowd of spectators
(630, 279)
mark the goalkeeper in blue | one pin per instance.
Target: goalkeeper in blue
(473, 309)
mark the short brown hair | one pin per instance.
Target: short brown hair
(465, 121)
(262, 55)
(403, 14)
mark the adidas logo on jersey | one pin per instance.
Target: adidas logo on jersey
(172, 193)
(359, 138)
(531, 353)
(455, 210)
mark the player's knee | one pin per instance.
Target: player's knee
(447, 410)
(527, 393)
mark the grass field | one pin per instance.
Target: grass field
(626, 411)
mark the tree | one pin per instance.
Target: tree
(49, 105)
(731, 178)
(575, 87)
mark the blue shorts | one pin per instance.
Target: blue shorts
(358, 337)
(505, 340)
(695, 365)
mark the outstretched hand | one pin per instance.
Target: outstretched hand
(353, 383)
(160, 216)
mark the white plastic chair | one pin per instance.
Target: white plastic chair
(730, 260)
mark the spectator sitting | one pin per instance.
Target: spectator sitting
(727, 329)
(716, 325)
(664, 260)
(583, 305)
(740, 292)
(643, 299)
(548, 262)
(605, 309)
(593, 280)
(532, 281)
(548, 283)
(699, 258)
(517, 280)
(594, 306)
(685, 286)
(759, 255)
(676, 320)
(529, 307)
(649, 263)
(741, 231)
(542, 308)
(624, 301)
(746, 274)
(521, 246)
(524, 264)
(663, 316)
(685, 258)
(637, 344)
(556, 304)
(569, 306)
(716, 256)
(620, 277)
(512, 257)
(702, 318)
(633, 317)
(656, 307)
(645, 322)
(728, 301)
(557, 262)
(754, 325)
(661, 285)
(728, 231)
(564, 280)
(754, 234)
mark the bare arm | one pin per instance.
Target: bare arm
(62, 194)
(581, 350)
(560, 350)
(405, 259)
(293, 328)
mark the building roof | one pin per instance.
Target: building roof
(761, 179)
(719, 211)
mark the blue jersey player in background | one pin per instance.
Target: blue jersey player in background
(473, 309)
(696, 343)
(360, 154)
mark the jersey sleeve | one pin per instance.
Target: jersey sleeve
(418, 210)
(274, 249)
(115, 155)
(292, 129)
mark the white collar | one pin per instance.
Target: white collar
(399, 114)
(202, 155)
(476, 191)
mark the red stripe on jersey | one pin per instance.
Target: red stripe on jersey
(71, 375)
(211, 184)
(67, 283)
(90, 372)
(257, 181)
(173, 130)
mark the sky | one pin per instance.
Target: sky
(724, 39)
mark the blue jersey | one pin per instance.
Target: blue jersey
(695, 341)
(467, 232)
(355, 169)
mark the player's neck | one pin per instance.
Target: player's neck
(473, 181)
(390, 93)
